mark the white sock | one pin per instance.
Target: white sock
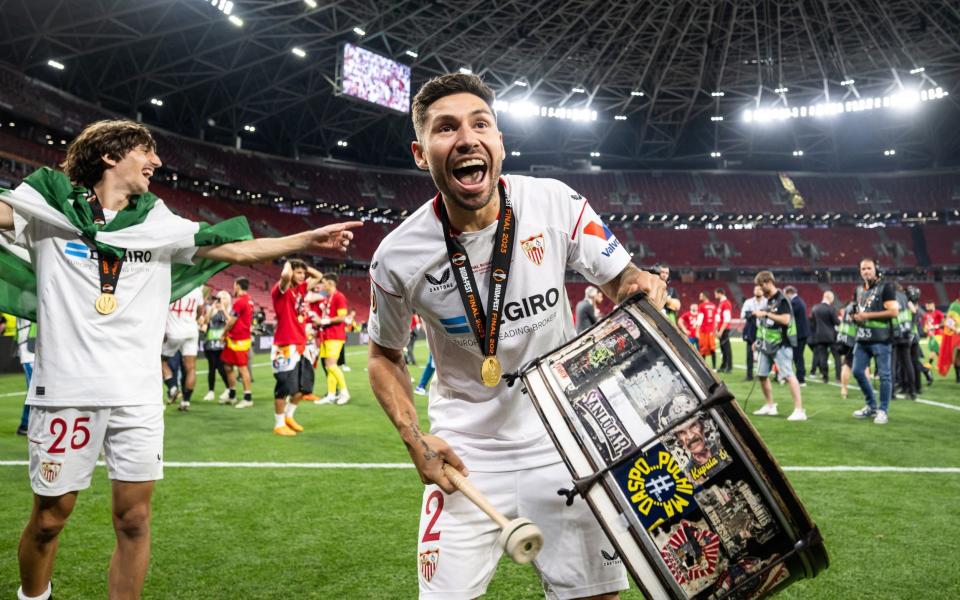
(43, 596)
(290, 409)
(279, 420)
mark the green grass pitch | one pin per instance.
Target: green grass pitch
(350, 533)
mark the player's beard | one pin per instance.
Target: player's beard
(472, 202)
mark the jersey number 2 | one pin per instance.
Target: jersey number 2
(429, 535)
(79, 439)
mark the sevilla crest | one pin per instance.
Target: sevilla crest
(429, 560)
(534, 247)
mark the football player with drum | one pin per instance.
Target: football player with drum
(483, 264)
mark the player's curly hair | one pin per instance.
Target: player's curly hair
(114, 138)
(447, 85)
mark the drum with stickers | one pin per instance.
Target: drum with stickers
(677, 476)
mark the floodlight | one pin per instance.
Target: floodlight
(359, 31)
(412, 54)
(55, 64)
(298, 52)
(235, 20)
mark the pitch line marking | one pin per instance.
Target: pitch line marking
(404, 466)
(853, 385)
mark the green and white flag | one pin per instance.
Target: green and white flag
(145, 224)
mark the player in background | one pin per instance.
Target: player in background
(334, 338)
(236, 339)
(292, 370)
(26, 336)
(688, 325)
(181, 336)
(213, 326)
(707, 329)
(316, 309)
(724, 317)
(96, 385)
(476, 420)
(776, 340)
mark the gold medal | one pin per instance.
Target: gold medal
(490, 371)
(106, 303)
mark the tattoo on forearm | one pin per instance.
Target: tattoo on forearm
(428, 453)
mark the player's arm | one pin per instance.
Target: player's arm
(331, 237)
(390, 382)
(286, 275)
(314, 277)
(6, 215)
(781, 319)
(633, 279)
(891, 308)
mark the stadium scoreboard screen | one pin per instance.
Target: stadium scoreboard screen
(373, 78)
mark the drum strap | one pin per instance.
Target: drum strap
(718, 395)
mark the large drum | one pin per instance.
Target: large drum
(677, 476)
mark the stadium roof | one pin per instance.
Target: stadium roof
(660, 64)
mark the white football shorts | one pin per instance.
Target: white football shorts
(186, 346)
(65, 444)
(457, 549)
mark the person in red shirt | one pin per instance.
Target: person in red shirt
(707, 328)
(316, 309)
(292, 370)
(334, 337)
(688, 324)
(237, 338)
(932, 320)
(724, 316)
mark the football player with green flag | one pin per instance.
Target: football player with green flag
(94, 259)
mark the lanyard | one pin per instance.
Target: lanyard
(485, 324)
(108, 267)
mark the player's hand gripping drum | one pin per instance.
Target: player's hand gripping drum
(520, 538)
(681, 483)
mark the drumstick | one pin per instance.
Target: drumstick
(521, 546)
(473, 494)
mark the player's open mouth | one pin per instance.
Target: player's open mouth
(470, 173)
(147, 173)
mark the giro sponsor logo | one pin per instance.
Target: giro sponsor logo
(531, 305)
(79, 250)
(459, 259)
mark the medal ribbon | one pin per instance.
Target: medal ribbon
(109, 266)
(484, 323)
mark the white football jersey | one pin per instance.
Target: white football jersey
(492, 429)
(182, 316)
(84, 358)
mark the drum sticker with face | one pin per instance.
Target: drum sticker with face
(738, 515)
(738, 572)
(692, 554)
(656, 487)
(697, 446)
